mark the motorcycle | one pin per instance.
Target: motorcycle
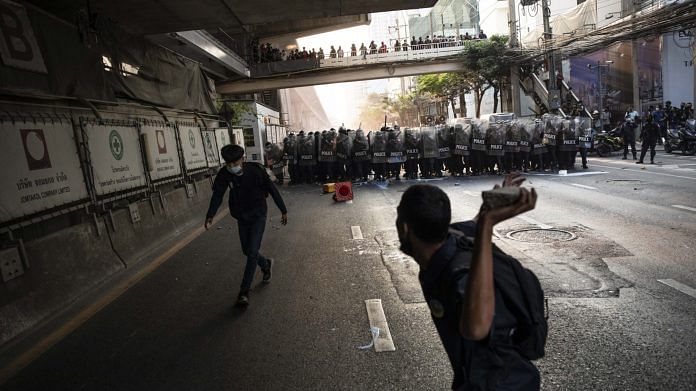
(607, 142)
(683, 138)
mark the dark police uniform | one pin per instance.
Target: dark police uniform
(491, 364)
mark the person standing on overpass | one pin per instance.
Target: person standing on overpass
(249, 185)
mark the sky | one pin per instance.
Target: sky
(342, 101)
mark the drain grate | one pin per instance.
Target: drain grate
(541, 235)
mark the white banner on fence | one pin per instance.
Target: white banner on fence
(161, 152)
(116, 160)
(192, 146)
(212, 152)
(222, 135)
(40, 168)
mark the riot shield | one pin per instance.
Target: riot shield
(274, 158)
(378, 146)
(552, 125)
(290, 149)
(328, 147)
(537, 138)
(583, 132)
(443, 141)
(512, 136)
(570, 142)
(307, 151)
(525, 130)
(428, 147)
(361, 147)
(411, 143)
(495, 136)
(462, 139)
(395, 147)
(344, 145)
(478, 135)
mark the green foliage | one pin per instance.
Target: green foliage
(232, 112)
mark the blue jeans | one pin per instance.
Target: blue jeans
(250, 235)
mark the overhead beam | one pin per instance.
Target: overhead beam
(377, 71)
(216, 50)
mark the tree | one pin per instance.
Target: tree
(442, 85)
(486, 68)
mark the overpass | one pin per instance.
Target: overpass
(436, 58)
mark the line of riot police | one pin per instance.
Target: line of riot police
(468, 147)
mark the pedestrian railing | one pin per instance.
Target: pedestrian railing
(415, 53)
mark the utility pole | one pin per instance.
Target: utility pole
(554, 102)
(514, 69)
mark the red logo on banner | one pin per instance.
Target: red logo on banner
(161, 142)
(35, 149)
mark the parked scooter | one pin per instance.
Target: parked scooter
(683, 138)
(607, 142)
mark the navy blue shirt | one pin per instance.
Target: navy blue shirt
(491, 364)
(248, 193)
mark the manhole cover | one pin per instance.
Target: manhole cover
(540, 235)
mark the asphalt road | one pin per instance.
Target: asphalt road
(600, 240)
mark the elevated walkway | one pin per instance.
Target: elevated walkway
(427, 58)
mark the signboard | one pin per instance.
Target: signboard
(116, 160)
(222, 136)
(212, 153)
(192, 146)
(40, 168)
(18, 47)
(161, 151)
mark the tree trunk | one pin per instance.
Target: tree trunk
(462, 104)
(453, 109)
(495, 99)
(477, 101)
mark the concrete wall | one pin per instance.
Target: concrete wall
(70, 263)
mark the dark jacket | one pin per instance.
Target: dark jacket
(248, 193)
(491, 364)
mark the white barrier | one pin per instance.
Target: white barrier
(212, 152)
(115, 156)
(162, 155)
(192, 146)
(40, 167)
(222, 136)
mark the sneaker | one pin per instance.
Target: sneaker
(268, 272)
(640, 162)
(584, 167)
(243, 298)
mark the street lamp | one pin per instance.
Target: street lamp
(600, 92)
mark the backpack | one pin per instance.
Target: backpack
(521, 293)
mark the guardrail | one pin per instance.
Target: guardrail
(421, 52)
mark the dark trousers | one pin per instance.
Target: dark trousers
(583, 155)
(632, 143)
(395, 170)
(250, 236)
(552, 159)
(412, 168)
(477, 161)
(648, 144)
(427, 167)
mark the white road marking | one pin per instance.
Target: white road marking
(470, 193)
(684, 207)
(571, 174)
(584, 186)
(357, 232)
(375, 313)
(649, 172)
(534, 222)
(683, 288)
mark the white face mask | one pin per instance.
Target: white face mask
(236, 170)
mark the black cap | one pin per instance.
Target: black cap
(232, 153)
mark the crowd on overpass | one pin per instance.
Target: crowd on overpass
(262, 53)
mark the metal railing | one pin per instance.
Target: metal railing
(390, 54)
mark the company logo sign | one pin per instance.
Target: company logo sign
(35, 149)
(116, 144)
